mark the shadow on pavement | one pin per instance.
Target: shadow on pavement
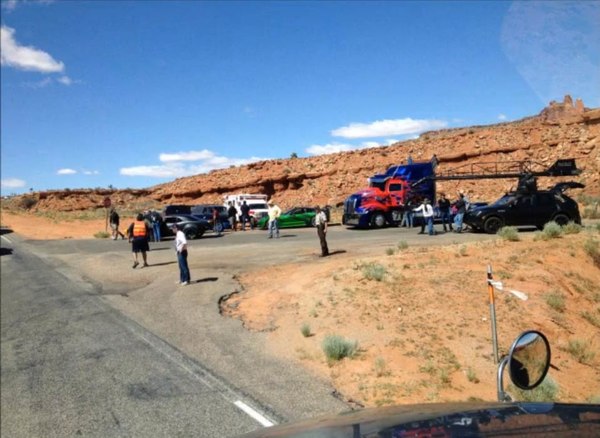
(162, 264)
(203, 280)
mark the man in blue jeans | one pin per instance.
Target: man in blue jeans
(274, 213)
(461, 208)
(182, 253)
(444, 206)
(427, 210)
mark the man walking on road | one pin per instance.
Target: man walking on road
(274, 213)
(114, 225)
(182, 253)
(245, 216)
(321, 223)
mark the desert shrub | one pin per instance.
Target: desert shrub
(380, 367)
(509, 233)
(580, 350)
(591, 318)
(389, 251)
(572, 228)
(462, 251)
(27, 202)
(471, 376)
(374, 271)
(590, 246)
(102, 235)
(547, 391)
(336, 347)
(305, 330)
(591, 211)
(552, 230)
(402, 245)
(556, 300)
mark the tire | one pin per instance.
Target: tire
(378, 220)
(561, 219)
(492, 224)
(191, 233)
(313, 222)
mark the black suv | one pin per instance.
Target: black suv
(526, 208)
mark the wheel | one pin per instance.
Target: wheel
(313, 222)
(492, 224)
(378, 220)
(219, 227)
(190, 233)
(561, 219)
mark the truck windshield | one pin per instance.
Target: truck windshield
(505, 200)
(258, 206)
(377, 185)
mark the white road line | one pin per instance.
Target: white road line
(7, 239)
(254, 414)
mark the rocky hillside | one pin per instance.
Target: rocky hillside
(562, 130)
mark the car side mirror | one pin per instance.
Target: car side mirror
(528, 362)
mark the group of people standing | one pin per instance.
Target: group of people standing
(446, 209)
(233, 215)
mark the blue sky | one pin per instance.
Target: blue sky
(136, 93)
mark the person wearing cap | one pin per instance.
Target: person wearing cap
(427, 210)
(182, 253)
(321, 224)
(274, 213)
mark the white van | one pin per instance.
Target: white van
(256, 202)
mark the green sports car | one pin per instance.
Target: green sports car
(294, 217)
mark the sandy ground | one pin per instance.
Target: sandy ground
(420, 316)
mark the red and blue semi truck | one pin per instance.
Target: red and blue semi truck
(390, 194)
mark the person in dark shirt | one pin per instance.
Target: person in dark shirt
(114, 225)
(444, 207)
(461, 208)
(245, 216)
(232, 215)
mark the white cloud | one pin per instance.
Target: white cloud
(66, 172)
(12, 183)
(90, 172)
(25, 58)
(179, 164)
(332, 148)
(204, 154)
(501, 117)
(65, 80)
(382, 128)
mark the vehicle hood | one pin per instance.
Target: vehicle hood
(450, 419)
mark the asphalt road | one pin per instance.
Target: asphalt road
(85, 352)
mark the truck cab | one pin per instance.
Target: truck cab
(388, 195)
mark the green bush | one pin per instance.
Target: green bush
(556, 300)
(572, 228)
(102, 235)
(552, 230)
(374, 271)
(590, 247)
(305, 330)
(509, 233)
(580, 350)
(402, 245)
(591, 211)
(389, 251)
(336, 347)
(27, 202)
(547, 391)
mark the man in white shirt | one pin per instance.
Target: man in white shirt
(427, 210)
(182, 253)
(274, 213)
(321, 224)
